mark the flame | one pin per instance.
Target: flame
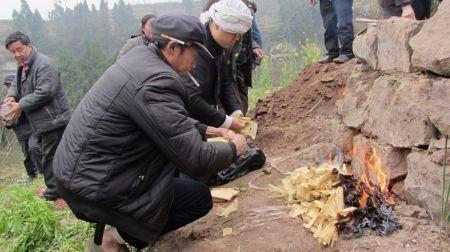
(362, 201)
(373, 163)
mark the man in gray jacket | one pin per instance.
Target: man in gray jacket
(142, 39)
(29, 143)
(39, 95)
(130, 135)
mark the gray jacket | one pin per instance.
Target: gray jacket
(42, 96)
(131, 43)
(129, 135)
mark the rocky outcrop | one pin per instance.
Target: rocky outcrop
(365, 47)
(397, 110)
(439, 105)
(394, 52)
(431, 47)
(424, 181)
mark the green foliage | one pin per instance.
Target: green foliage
(270, 77)
(28, 223)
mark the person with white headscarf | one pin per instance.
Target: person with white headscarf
(225, 22)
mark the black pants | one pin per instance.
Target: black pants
(31, 150)
(337, 17)
(192, 200)
(422, 8)
(49, 143)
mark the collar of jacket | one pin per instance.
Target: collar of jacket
(30, 60)
(211, 44)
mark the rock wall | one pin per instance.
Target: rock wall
(397, 103)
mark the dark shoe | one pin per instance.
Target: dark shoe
(50, 196)
(343, 58)
(327, 59)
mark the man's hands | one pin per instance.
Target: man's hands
(237, 124)
(313, 2)
(239, 141)
(10, 112)
(9, 99)
(408, 12)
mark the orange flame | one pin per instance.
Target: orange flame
(362, 201)
(374, 163)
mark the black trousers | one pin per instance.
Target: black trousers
(422, 8)
(192, 200)
(337, 17)
(49, 143)
(31, 150)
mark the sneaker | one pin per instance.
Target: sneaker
(343, 58)
(327, 59)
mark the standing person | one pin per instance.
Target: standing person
(28, 142)
(142, 39)
(118, 159)
(225, 22)
(413, 9)
(337, 17)
(38, 93)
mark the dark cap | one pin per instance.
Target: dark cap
(179, 26)
(9, 80)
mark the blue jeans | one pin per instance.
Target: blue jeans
(337, 16)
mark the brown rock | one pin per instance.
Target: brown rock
(439, 105)
(392, 160)
(394, 52)
(431, 47)
(365, 47)
(424, 182)
(397, 110)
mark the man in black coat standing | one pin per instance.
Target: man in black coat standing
(39, 95)
(131, 134)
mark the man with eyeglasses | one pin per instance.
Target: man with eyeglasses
(225, 22)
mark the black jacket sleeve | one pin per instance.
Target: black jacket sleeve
(200, 110)
(160, 112)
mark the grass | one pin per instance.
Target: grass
(280, 70)
(28, 223)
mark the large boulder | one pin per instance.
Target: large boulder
(397, 110)
(392, 160)
(424, 182)
(365, 47)
(439, 105)
(393, 35)
(353, 105)
(431, 47)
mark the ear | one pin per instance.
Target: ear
(171, 46)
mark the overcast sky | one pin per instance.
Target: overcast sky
(44, 6)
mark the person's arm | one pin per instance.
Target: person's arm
(256, 33)
(407, 9)
(47, 81)
(159, 111)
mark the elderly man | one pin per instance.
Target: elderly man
(413, 9)
(225, 22)
(131, 134)
(39, 95)
(29, 143)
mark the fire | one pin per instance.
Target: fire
(372, 165)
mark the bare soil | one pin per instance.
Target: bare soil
(290, 121)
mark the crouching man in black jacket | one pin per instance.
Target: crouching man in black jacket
(118, 157)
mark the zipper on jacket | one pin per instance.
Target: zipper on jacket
(48, 112)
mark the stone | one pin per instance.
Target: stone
(353, 105)
(397, 110)
(424, 182)
(343, 137)
(431, 47)
(393, 35)
(439, 105)
(392, 160)
(365, 47)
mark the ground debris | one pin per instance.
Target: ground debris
(314, 195)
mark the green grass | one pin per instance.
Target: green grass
(274, 74)
(28, 223)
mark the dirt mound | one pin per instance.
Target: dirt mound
(300, 115)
